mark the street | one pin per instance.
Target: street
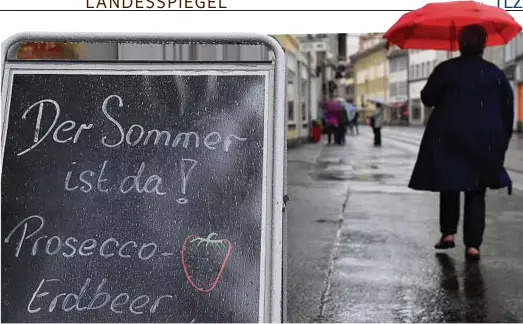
(360, 243)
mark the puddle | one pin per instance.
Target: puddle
(344, 175)
(329, 161)
(332, 221)
(340, 169)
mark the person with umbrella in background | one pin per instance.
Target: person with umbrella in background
(376, 123)
(376, 120)
(332, 110)
(467, 135)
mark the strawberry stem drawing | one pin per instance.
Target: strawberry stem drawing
(204, 260)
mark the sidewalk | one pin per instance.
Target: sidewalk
(314, 211)
(514, 158)
(379, 265)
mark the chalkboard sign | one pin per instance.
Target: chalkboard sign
(135, 196)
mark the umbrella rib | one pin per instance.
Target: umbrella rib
(410, 32)
(499, 31)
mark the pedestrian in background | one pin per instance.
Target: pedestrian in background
(466, 138)
(331, 111)
(343, 122)
(351, 115)
(376, 122)
(356, 121)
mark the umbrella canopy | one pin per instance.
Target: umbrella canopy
(332, 105)
(436, 25)
(376, 102)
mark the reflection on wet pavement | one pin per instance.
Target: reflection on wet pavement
(383, 267)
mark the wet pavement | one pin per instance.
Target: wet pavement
(360, 243)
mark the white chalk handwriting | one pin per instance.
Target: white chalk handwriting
(93, 180)
(119, 303)
(25, 235)
(70, 131)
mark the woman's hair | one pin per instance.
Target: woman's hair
(472, 40)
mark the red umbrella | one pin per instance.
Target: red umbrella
(436, 25)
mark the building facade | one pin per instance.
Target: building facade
(298, 90)
(513, 67)
(371, 77)
(347, 84)
(398, 85)
(421, 65)
(321, 52)
(495, 55)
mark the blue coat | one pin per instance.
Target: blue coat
(468, 132)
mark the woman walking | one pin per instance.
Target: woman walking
(466, 138)
(332, 109)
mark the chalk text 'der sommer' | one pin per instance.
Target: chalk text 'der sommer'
(70, 131)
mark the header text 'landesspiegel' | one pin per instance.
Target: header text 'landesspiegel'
(155, 4)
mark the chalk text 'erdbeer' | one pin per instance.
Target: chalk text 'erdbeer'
(70, 132)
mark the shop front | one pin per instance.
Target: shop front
(49, 51)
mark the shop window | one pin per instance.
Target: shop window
(304, 96)
(416, 109)
(303, 112)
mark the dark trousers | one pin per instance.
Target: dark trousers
(332, 133)
(342, 132)
(474, 222)
(377, 136)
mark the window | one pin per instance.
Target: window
(304, 100)
(510, 50)
(291, 96)
(392, 66)
(290, 108)
(393, 89)
(402, 88)
(416, 72)
(411, 72)
(423, 69)
(429, 68)
(303, 112)
(303, 97)
(290, 76)
(403, 63)
(518, 46)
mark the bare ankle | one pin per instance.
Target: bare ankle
(472, 250)
(448, 238)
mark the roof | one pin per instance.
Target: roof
(359, 55)
(397, 53)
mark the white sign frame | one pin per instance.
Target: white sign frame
(273, 257)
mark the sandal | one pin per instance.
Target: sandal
(444, 244)
(472, 256)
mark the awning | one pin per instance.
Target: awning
(397, 105)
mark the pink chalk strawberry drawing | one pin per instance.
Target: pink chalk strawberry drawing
(204, 260)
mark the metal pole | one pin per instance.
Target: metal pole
(408, 89)
(309, 86)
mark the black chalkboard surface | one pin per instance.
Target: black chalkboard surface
(133, 197)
